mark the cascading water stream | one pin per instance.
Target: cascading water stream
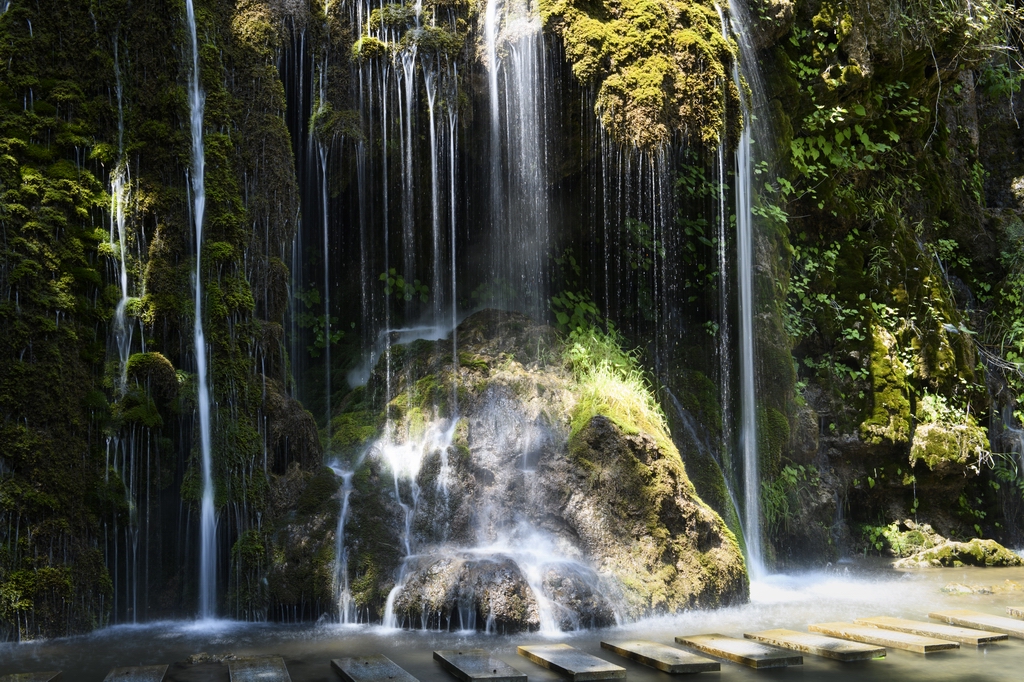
(346, 605)
(119, 189)
(120, 182)
(745, 275)
(208, 521)
(496, 186)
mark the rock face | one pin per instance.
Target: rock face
(476, 504)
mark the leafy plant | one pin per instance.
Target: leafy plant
(317, 324)
(780, 496)
(575, 311)
(402, 289)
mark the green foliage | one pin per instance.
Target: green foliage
(780, 496)
(396, 285)
(320, 326)
(575, 311)
(1001, 79)
(610, 382)
(701, 245)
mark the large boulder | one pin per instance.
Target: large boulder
(483, 496)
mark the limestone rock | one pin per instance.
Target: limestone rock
(976, 552)
(508, 515)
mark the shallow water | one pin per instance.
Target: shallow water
(790, 601)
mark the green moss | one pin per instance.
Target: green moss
(350, 431)
(155, 373)
(472, 362)
(318, 493)
(977, 552)
(772, 439)
(938, 444)
(890, 415)
(369, 47)
(434, 40)
(392, 15)
(658, 67)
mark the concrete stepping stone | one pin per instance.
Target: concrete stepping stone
(982, 621)
(742, 651)
(577, 665)
(471, 665)
(376, 668)
(50, 676)
(919, 627)
(889, 638)
(137, 673)
(661, 656)
(1015, 611)
(818, 645)
(258, 669)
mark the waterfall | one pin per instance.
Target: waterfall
(497, 191)
(453, 124)
(119, 190)
(208, 521)
(745, 272)
(120, 182)
(724, 318)
(346, 605)
(519, 197)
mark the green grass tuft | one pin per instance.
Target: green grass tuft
(610, 383)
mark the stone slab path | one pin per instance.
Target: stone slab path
(661, 656)
(742, 651)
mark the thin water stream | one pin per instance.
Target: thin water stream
(788, 601)
(208, 521)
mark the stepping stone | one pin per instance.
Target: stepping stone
(51, 676)
(665, 658)
(258, 669)
(476, 664)
(919, 627)
(982, 621)
(1015, 611)
(137, 673)
(896, 640)
(376, 668)
(570, 661)
(742, 651)
(818, 645)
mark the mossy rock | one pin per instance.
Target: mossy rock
(952, 554)
(154, 372)
(657, 67)
(949, 447)
(890, 412)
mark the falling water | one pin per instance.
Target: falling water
(119, 189)
(119, 185)
(208, 521)
(725, 341)
(519, 196)
(497, 192)
(346, 605)
(745, 271)
(453, 121)
(404, 459)
(322, 156)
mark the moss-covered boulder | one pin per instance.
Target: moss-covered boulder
(977, 552)
(533, 486)
(658, 68)
(949, 446)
